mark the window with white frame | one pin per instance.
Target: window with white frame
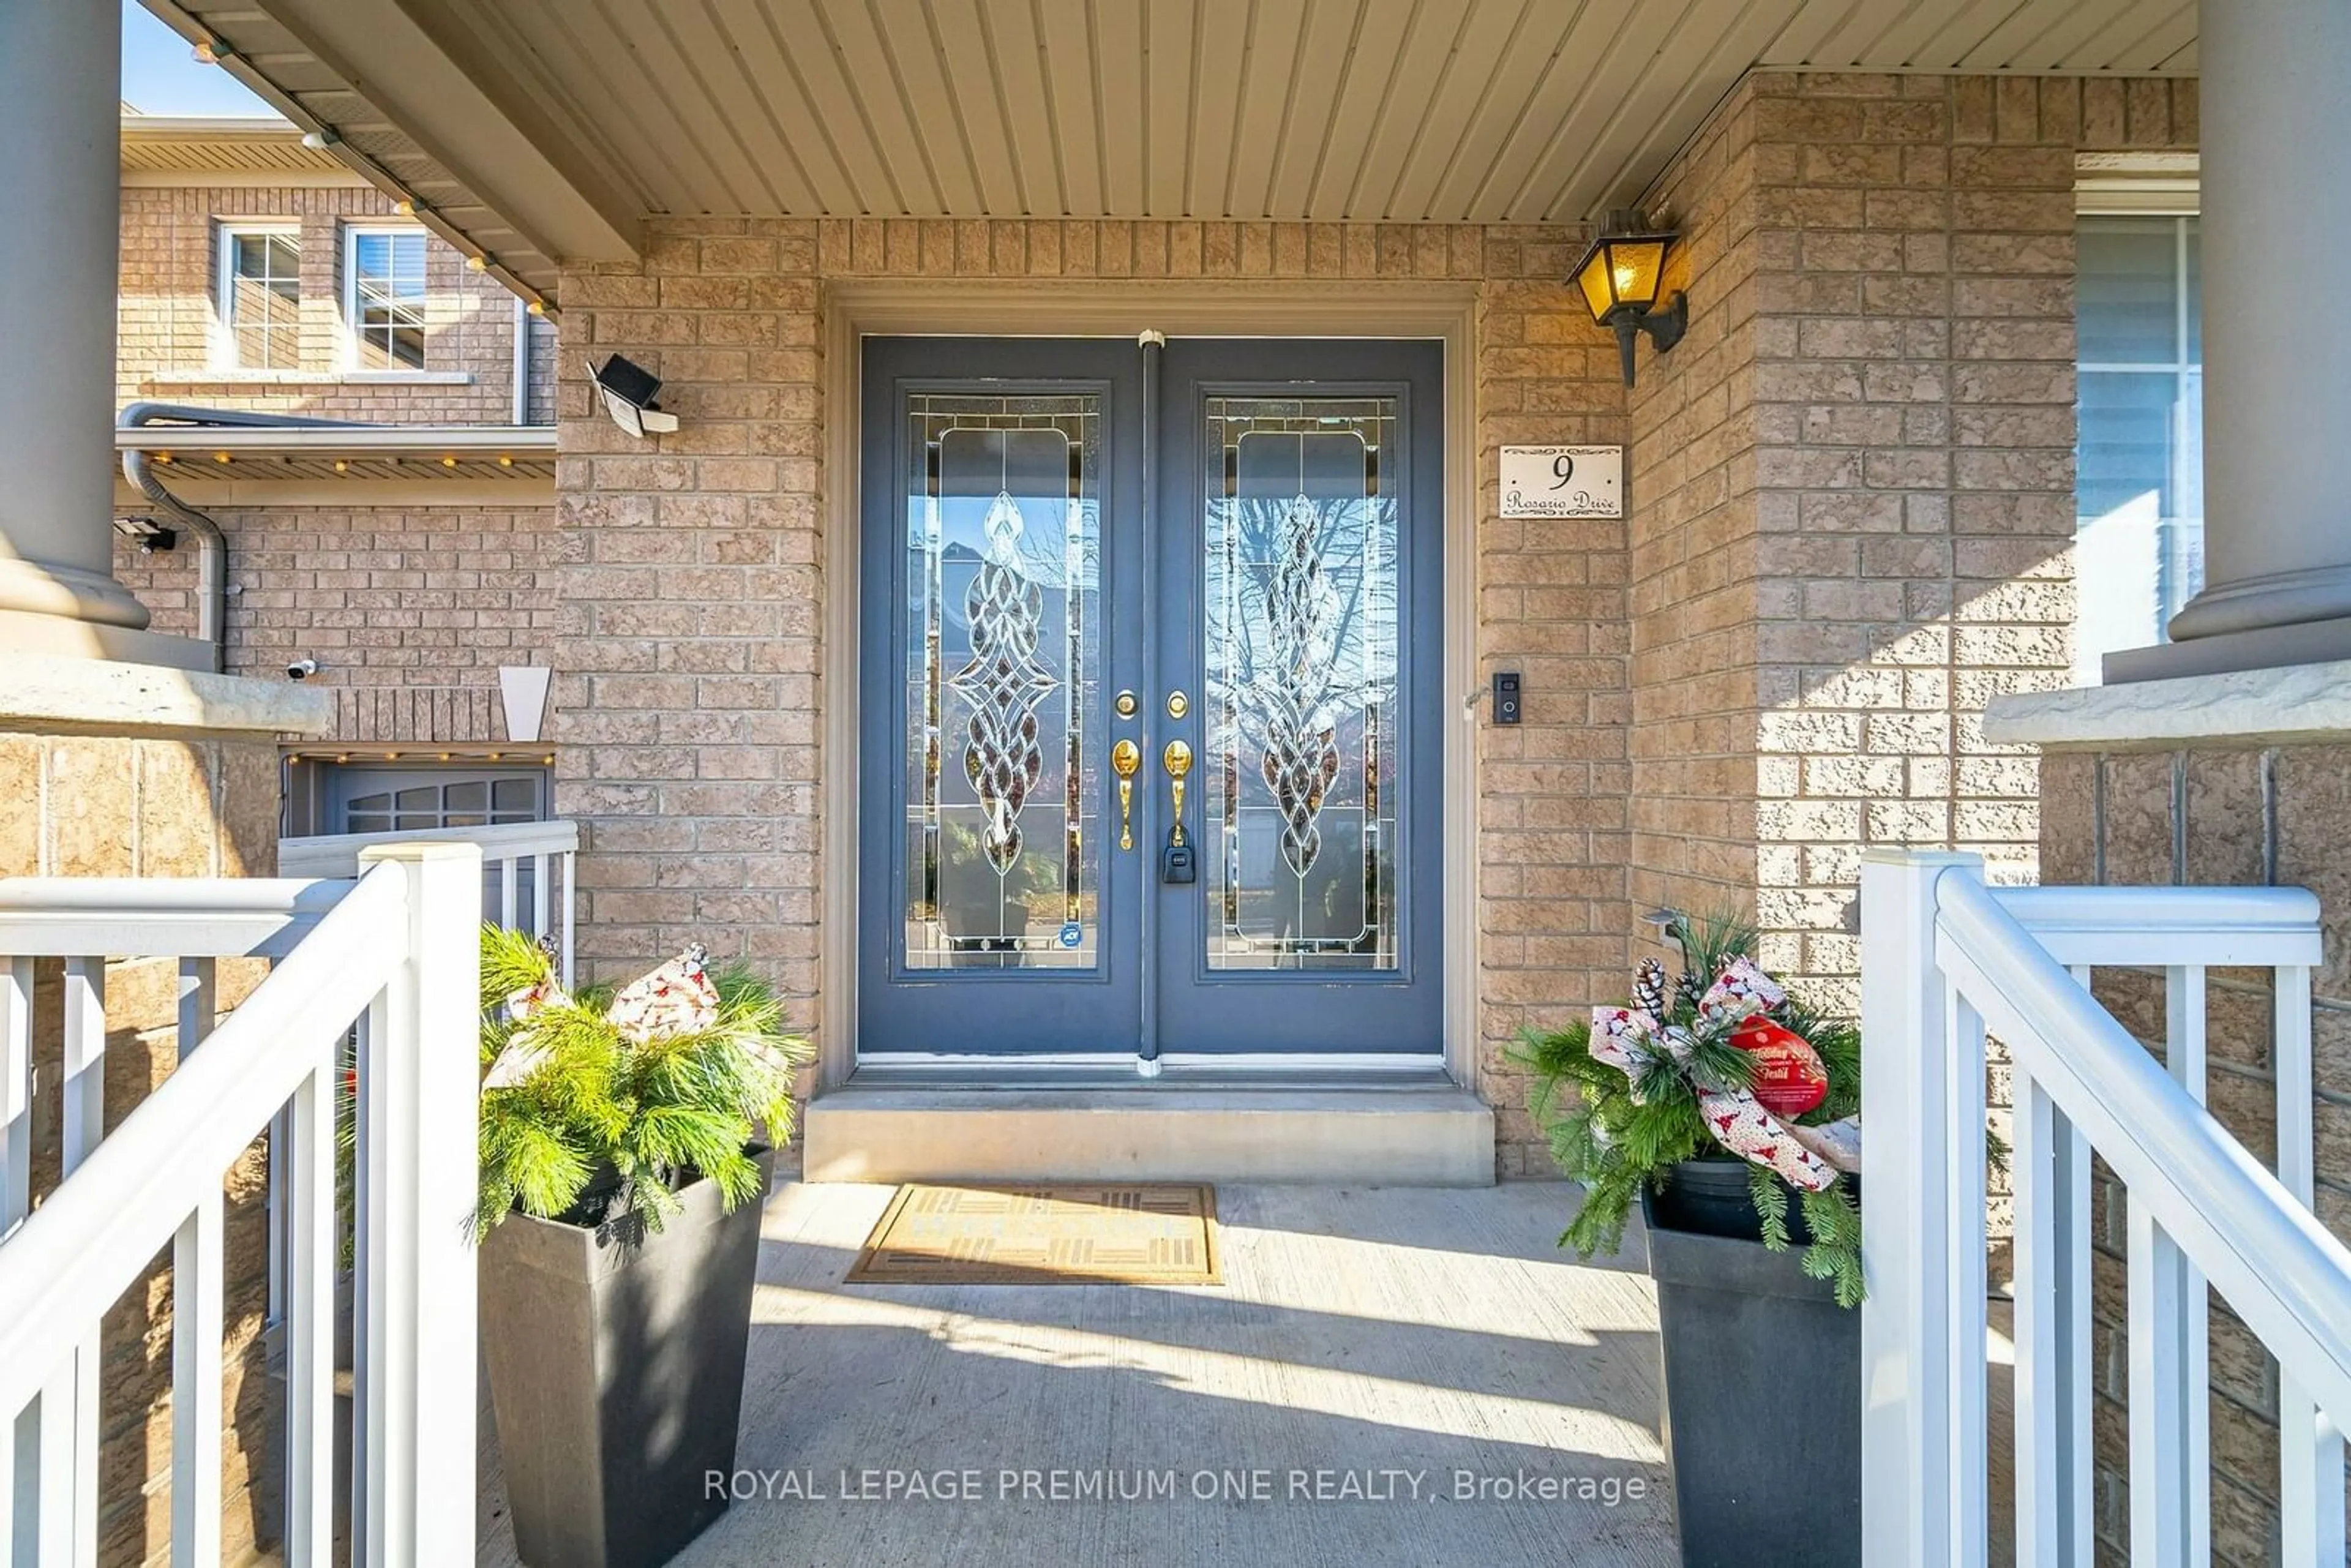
(383, 297)
(259, 296)
(2139, 482)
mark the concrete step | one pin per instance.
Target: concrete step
(1370, 1135)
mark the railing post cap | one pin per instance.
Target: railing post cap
(1887, 855)
(419, 852)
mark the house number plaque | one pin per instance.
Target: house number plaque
(1563, 481)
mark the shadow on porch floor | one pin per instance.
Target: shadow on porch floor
(1436, 1334)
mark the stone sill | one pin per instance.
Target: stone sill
(2298, 704)
(52, 693)
(227, 377)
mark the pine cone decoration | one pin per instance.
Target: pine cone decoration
(1650, 990)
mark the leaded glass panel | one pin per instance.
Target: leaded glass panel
(1003, 578)
(1301, 662)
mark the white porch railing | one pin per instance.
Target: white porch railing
(548, 851)
(1945, 959)
(394, 953)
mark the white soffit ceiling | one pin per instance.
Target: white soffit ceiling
(1492, 110)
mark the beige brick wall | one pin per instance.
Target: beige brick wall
(1856, 514)
(1694, 555)
(690, 688)
(2242, 817)
(408, 611)
(1555, 793)
(168, 327)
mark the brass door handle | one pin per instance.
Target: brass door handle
(1178, 761)
(1125, 758)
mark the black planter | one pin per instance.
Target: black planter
(1762, 1382)
(616, 1374)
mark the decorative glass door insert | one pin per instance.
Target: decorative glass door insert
(1299, 654)
(1003, 542)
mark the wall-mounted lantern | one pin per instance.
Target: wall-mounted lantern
(1620, 275)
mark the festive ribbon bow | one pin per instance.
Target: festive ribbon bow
(1629, 1038)
(677, 998)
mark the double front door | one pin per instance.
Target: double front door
(1150, 743)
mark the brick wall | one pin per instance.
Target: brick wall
(690, 667)
(1555, 793)
(167, 322)
(409, 609)
(2245, 817)
(1874, 441)
(1694, 552)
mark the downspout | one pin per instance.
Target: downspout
(521, 362)
(212, 545)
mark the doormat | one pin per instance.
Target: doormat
(1073, 1234)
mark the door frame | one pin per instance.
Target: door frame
(1066, 307)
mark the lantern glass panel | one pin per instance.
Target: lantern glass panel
(1636, 267)
(1594, 281)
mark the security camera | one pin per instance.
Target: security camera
(302, 669)
(628, 389)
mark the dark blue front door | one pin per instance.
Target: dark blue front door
(1099, 579)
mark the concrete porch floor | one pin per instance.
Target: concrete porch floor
(1358, 1330)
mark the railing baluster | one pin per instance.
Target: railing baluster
(19, 1432)
(60, 1428)
(197, 1282)
(1970, 1321)
(508, 866)
(571, 900)
(84, 1096)
(2069, 1170)
(2310, 1448)
(2046, 1464)
(538, 896)
(199, 1001)
(370, 1035)
(2161, 1457)
(85, 1059)
(16, 1091)
(2185, 1057)
(310, 1322)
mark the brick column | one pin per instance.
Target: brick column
(1853, 485)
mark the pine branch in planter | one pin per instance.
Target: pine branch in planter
(1769, 1197)
(581, 1095)
(1835, 1252)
